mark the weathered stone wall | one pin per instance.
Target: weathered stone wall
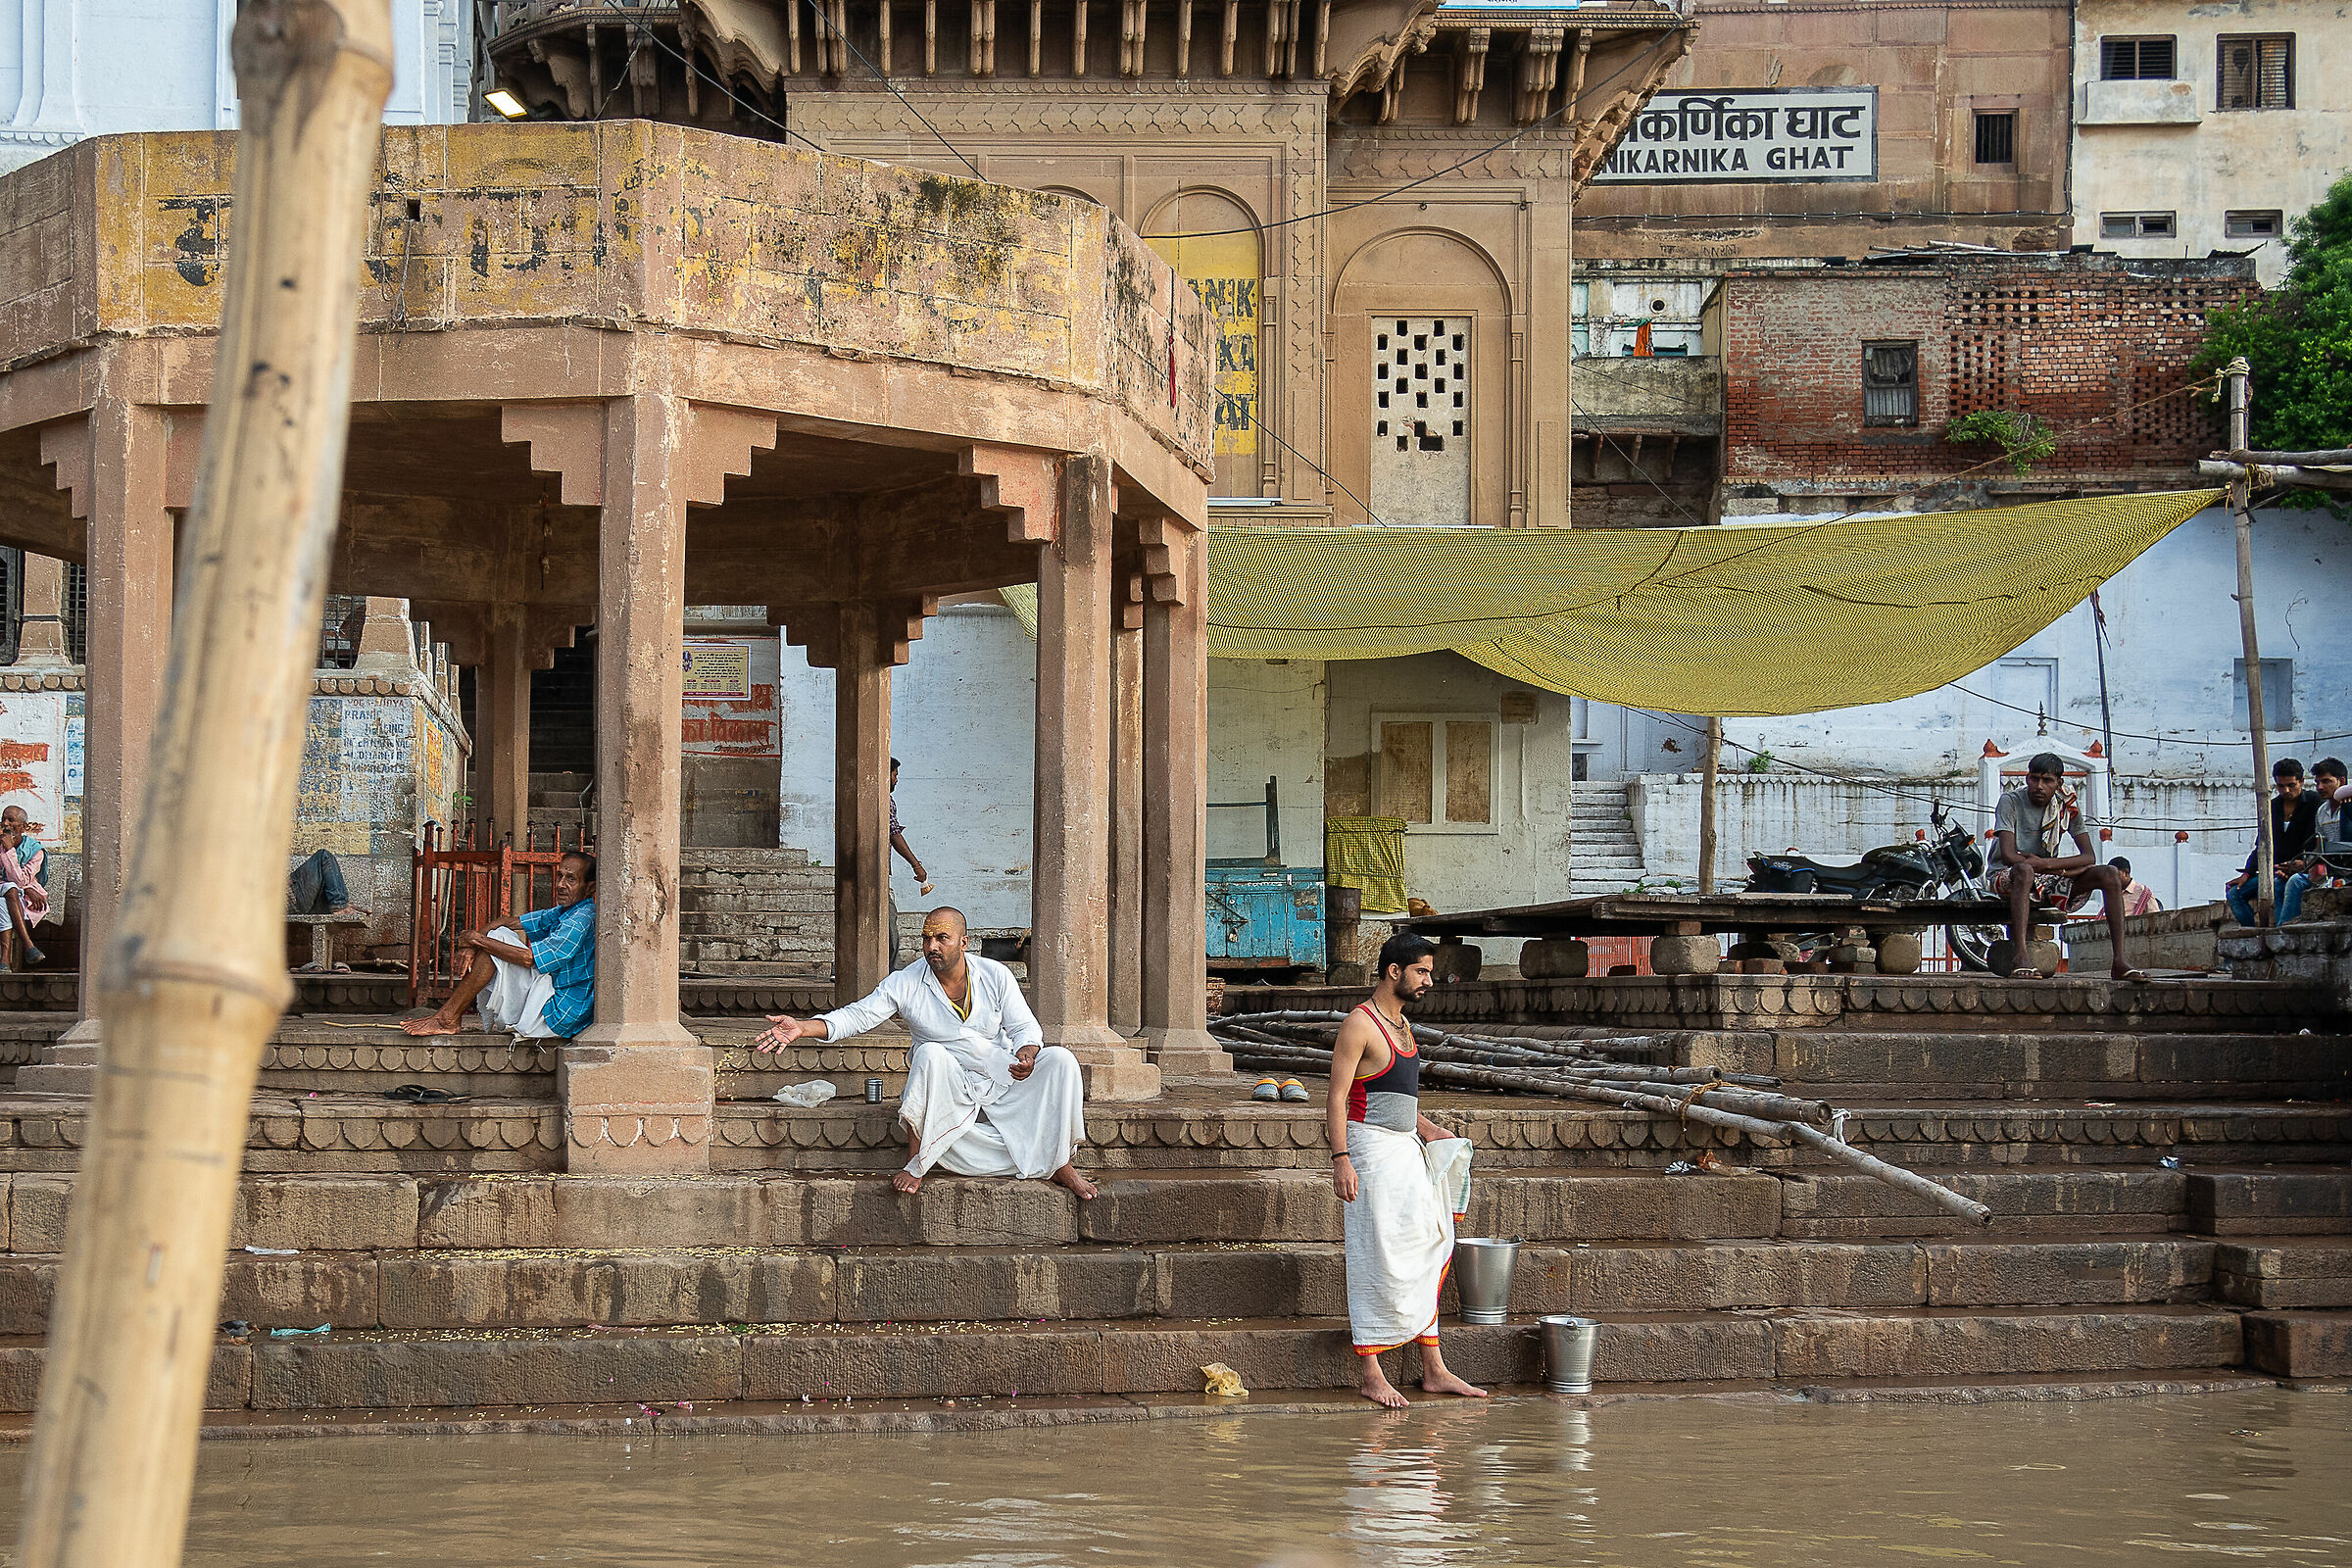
(630, 222)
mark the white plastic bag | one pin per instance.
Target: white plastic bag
(808, 1096)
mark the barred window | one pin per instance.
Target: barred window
(2137, 60)
(1890, 383)
(2138, 225)
(2253, 225)
(77, 613)
(12, 604)
(1996, 137)
(339, 631)
(2257, 71)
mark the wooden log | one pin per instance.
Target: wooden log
(1894, 1175)
(195, 976)
(1712, 761)
(2292, 460)
(2275, 476)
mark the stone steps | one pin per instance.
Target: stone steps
(687, 1287)
(439, 1369)
(1846, 1064)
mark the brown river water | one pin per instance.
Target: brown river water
(2263, 1477)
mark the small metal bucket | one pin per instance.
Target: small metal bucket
(1481, 1271)
(1567, 1354)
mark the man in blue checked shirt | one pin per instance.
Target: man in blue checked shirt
(535, 974)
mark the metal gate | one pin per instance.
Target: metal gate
(457, 889)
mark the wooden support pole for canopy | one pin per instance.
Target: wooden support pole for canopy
(2242, 507)
(195, 974)
(1707, 806)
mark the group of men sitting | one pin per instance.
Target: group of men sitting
(2309, 822)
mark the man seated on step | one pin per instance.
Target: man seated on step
(535, 973)
(2030, 828)
(985, 1094)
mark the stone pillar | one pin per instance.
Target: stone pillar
(41, 637)
(386, 645)
(861, 806)
(636, 1088)
(1127, 819)
(1070, 947)
(120, 493)
(501, 721)
(1176, 809)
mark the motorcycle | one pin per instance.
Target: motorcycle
(1946, 863)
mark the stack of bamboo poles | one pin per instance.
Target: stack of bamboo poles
(1586, 1069)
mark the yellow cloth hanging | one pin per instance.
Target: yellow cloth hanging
(1367, 852)
(1783, 617)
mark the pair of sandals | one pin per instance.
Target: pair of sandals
(1284, 1089)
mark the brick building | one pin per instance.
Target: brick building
(1839, 381)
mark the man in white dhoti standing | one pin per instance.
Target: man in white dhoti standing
(1404, 1178)
(985, 1094)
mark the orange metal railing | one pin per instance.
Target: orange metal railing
(461, 888)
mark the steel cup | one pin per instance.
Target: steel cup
(874, 1091)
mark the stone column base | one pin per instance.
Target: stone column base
(66, 1067)
(1115, 1073)
(635, 1110)
(1184, 1053)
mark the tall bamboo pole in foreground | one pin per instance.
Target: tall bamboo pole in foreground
(195, 976)
(1710, 764)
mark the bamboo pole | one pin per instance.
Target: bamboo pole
(195, 975)
(2274, 475)
(2242, 507)
(1707, 806)
(1894, 1175)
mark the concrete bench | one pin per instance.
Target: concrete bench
(322, 936)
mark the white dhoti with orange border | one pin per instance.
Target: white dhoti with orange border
(1401, 1233)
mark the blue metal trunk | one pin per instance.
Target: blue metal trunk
(1264, 916)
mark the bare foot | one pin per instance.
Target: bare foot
(1068, 1177)
(349, 910)
(907, 1181)
(1448, 1383)
(1377, 1388)
(434, 1025)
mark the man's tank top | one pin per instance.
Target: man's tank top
(1391, 1097)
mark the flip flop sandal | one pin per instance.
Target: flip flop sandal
(1267, 1089)
(1295, 1092)
(2025, 974)
(419, 1094)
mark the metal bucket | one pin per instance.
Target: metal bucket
(1481, 1272)
(1567, 1354)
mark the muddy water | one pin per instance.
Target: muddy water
(2261, 1478)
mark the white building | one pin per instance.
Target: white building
(71, 69)
(2208, 127)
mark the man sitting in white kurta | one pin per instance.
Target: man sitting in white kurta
(985, 1094)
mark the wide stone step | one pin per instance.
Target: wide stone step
(1846, 1064)
(2294, 1272)
(2300, 1345)
(2270, 1202)
(439, 1369)
(687, 1286)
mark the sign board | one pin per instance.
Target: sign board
(717, 669)
(1782, 135)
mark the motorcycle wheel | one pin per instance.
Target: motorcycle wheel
(1971, 944)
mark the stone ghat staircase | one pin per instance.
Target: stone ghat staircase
(755, 907)
(456, 1271)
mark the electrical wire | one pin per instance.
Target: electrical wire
(729, 93)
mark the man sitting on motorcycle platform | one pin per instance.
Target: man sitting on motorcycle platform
(2028, 830)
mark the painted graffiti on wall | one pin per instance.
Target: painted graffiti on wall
(1223, 270)
(33, 734)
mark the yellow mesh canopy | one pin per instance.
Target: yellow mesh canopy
(1772, 619)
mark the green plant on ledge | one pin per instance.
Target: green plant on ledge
(2024, 440)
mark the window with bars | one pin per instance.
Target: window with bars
(339, 631)
(2138, 225)
(1996, 135)
(2257, 71)
(1890, 383)
(2253, 225)
(77, 613)
(2137, 60)
(12, 605)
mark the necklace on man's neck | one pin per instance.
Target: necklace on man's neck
(1396, 1022)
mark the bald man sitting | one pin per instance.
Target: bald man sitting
(985, 1094)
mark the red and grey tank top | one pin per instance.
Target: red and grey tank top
(1391, 1097)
